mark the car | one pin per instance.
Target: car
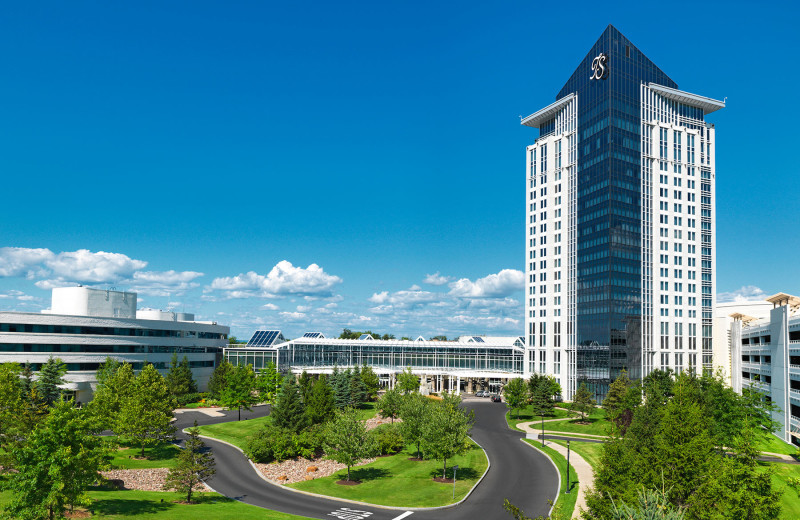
(496, 398)
(481, 393)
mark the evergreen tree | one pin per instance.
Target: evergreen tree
(194, 465)
(621, 401)
(289, 412)
(346, 440)
(341, 389)
(358, 391)
(50, 377)
(239, 391)
(145, 414)
(390, 404)
(541, 394)
(179, 379)
(321, 405)
(58, 462)
(582, 402)
(219, 378)
(305, 382)
(371, 382)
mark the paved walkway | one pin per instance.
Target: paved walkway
(211, 411)
(531, 427)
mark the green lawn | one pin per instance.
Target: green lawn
(790, 500)
(590, 451)
(774, 445)
(397, 481)
(235, 432)
(367, 411)
(598, 425)
(526, 415)
(565, 503)
(148, 504)
(161, 456)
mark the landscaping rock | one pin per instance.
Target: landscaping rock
(296, 470)
(141, 479)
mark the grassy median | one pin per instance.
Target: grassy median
(398, 481)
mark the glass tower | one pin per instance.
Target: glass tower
(589, 308)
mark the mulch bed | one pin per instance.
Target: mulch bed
(416, 459)
(78, 514)
(443, 480)
(348, 482)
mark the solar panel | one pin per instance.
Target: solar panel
(365, 336)
(264, 338)
(477, 339)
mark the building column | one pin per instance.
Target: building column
(458, 385)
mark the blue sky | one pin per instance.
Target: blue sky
(363, 160)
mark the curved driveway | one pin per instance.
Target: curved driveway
(523, 475)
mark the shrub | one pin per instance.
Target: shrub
(185, 399)
(279, 444)
(388, 438)
(308, 443)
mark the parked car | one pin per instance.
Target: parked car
(481, 393)
(496, 398)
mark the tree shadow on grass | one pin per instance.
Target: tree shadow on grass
(463, 473)
(365, 474)
(134, 507)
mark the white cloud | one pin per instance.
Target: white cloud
(23, 261)
(497, 285)
(303, 308)
(164, 283)
(84, 266)
(743, 294)
(414, 287)
(282, 280)
(484, 321)
(270, 307)
(293, 316)
(437, 279)
(379, 297)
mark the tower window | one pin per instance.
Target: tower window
(627, 51)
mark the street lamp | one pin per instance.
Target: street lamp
(542, 431)
(567, 466)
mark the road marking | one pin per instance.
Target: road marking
(407, 513)
(345, 513)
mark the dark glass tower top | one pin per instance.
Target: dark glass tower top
(609, 292)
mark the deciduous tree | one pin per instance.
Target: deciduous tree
(415, 412)
(390, 404)
(116, 387)
(145, 414)
(219, 378)
(371, 382)
(444, 433)
(269, 383)
(407, 382)
(516, 394)
(582, 402)
(239, 391)
(346, 440)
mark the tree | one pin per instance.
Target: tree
(193, 466)
(320, 406)
(239, 390)
(371, 382)
(582, 402)
(219, 378)
(541, 389)
(346, 440)
(407, 382)
(652, 504)
(516, 394)
(439, 338)
(415, 412)
(622, 399)
(58, 462)
(179, 378)
(390, 404)
(305, 383)
(341, 388)
(269, 383)
(289, 412)
(358, 391)
(444, 434)
(13, 408)
(145, 415)
(107, 369)
(115, 388)
(50, 377)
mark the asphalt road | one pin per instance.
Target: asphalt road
(523, 475)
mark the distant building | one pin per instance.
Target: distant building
(469, 364)
(765, 356)
(722, 346)
(85, 325)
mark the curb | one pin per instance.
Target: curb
(558, 488)
(328, 497)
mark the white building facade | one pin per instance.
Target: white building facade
(620, 220)
(108, 324)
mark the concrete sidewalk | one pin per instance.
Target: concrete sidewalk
(210, 411)
(582, 468)
(531, 427)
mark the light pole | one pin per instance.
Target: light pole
(542, 431)
(567, 466)
(455, 469)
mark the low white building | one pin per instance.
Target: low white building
(469, 364)
(85, 325)
(723, 320)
